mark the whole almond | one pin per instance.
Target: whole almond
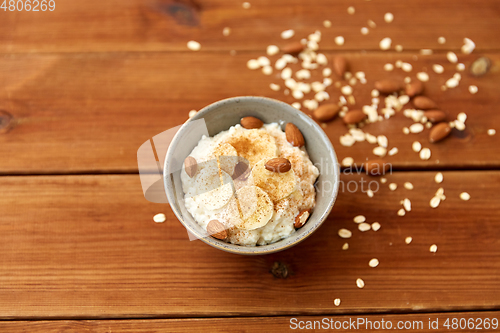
(293, 135)
(251, 122)
(191, 166)
(241, 171)
(376, 167)
(415, 88)
(302, 218)
(293, 48)
(339, 66)
(278, 164)
(435, 116)
(439, 132)
(354, 117)
(326, 112)
(388, 86)
(424, 103)
(216, 229)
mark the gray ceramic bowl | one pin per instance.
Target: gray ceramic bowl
(226, 113)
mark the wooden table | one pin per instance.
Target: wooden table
(83, 86)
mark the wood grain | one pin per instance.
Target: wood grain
(166, 25)
(91, 112)
(86, 247)
(415, 322)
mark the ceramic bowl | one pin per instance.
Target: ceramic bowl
(220, 116)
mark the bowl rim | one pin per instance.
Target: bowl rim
(260, 249)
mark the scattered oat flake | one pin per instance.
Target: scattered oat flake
(406, 67)
(253, 64)
(399, 48)
(408, 240)
(226, 31)
(344, 233)
(441, 40)
(452, 57)
(373, 263)
(274, 86)
(193, 45)
(359, 219)
(425, 154)
(336, 302)
(406, 130)
(345, 246)
(491, 132)
(159, 218)
(416, 128)
(379, 151)
(425, 51)
(407, 204)
(433, 248)
(438, 68)
(401, 212)
(464, 196)
(348, 161)
(346, 90)
(360, 283)
(364, 227)
(370, 193)
(383, 180)
(287, 34)
(327, 23)
(364, 31)
(388, 17)
(385, 43)
(339, 40)
(452, 83)
(423, 76)
(416, 146)
(388, 67)
(393, 151)
(371, 24)
(272, 50)
(192, 113)
(468, 46)
(296, 105)
(438, 178)
(375, 226)
(351, 10)
(435, 201)
(473, 89)
(408, 186)
(393, 186)
(246, 5)
(460, 67)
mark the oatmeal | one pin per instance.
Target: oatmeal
(249, 184)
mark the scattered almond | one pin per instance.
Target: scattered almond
(293, 48)
(293, 135)
(340, 66)
(354, 117)
(388, 86)
(216, 230)
(435, 116)
(301, 219)
(439, 132)
(278, 164)
(415, 88)
(424, 103)
(326, 112)
(191, 166)
(376, 167)
(251, 122)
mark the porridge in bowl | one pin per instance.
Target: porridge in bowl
(250, 185)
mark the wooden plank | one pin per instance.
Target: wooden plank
(91, 112)
(161, 25)
(477, 321)
(86, 247)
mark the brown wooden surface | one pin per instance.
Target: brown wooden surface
(257, 324)
(86, 247)
(90, 113)
(166, 25)
(82, 87)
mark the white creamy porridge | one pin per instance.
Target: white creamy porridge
(230, 182)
